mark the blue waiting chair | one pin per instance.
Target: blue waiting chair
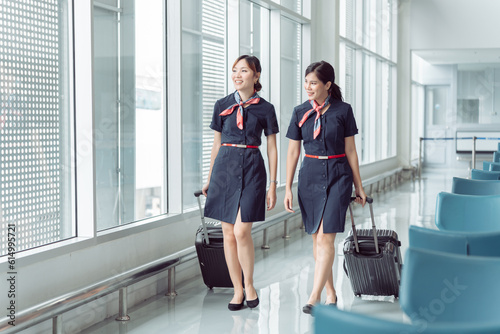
(479, 174)
(488, 165)
(441, 287)
(436, 240)
(462, 243)
(475, 187)
(496, 156)
(467, 213)
(328, 320)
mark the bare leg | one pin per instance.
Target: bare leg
(331, 295)
(233, 264)
(324, 254)
(246, 254)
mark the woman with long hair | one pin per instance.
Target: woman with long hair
(236, 185)
(326, 126)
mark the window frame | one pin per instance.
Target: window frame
(83, 150)
(367, 97)
(55, 163)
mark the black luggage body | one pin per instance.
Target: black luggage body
(209, 246)
(374, 267)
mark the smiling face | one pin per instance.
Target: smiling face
(315, 88)
(243, 77)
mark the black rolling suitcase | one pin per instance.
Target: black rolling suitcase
(372, 259)
(209, 246)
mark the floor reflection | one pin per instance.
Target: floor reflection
(284, 276)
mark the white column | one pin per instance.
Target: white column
(404, 84)
(174, 65)
(233, 38)
(325, 32)
(84, 133)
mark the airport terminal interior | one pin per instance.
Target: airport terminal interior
(105, 138)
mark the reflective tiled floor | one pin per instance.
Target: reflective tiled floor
(284, 275)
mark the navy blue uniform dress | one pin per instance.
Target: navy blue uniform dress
(239, 174)
(325, 186)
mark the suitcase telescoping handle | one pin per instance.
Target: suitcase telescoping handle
(197, 194)
(369, 200)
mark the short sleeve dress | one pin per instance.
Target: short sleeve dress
(325, 186)
(239, 175)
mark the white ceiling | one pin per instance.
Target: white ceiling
(465, 57)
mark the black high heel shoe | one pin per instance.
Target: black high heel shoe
(253, 303)
(333, 304)
(236, 307)
(307, 309)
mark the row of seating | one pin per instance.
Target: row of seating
(493, 165)
(442, 293)
(449, 278)
(481, 174)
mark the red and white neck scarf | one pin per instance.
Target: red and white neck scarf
(317, 122)
(239, 116)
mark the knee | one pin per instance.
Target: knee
(325, 243)
(242, 235)
(228, 233)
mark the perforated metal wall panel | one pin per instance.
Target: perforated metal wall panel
(350, 19)
(298, 55)
(30, 122)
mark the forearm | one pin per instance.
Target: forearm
(272, 156)
(291, 162)
(352, 158)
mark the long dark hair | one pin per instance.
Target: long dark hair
(325, 72)
(254, 64)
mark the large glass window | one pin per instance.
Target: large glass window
(36, 122)
(130, 112)
(385, 107)
(346, 72)
(291, 82)
(295, 5)
(205, 77)
(386, 27)
(254, 39)
(367, 72)
(346, 19)
(377, 23)
(203, 83)
(370, 126)
(129, 88)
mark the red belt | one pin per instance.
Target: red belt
(325, 157)
(240, 145)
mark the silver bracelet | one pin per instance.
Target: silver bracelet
(274, 181)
